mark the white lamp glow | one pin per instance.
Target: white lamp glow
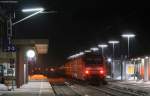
(33, 10)
(30, 53)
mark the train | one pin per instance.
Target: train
(90, 67)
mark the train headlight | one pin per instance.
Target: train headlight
(101, 71)
(86, 72)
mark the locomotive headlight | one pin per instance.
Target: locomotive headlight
(101, 71)
(86, 72)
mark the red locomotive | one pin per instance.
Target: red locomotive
(87, 67)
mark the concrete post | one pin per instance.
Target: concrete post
(20, 67)
(146, 69)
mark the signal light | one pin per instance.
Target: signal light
(86, 72)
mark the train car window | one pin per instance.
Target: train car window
(93, 61)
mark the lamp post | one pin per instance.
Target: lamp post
(29, 54)
(102, 46)
(35, 10)
(128, 36)
(113, 42)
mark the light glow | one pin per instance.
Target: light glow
(128, 35)
(109, 59)
(146, 57)
(33, 10)
(30, 53)
(102, 45)
(113, 42)
(101, 71)
(86, 72)
(94, 49)
(87, 51)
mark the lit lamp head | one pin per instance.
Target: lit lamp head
(128, 35)
(109, 59)
(113, 42)
(33, 10)
(102, 45)
(94, 49)
(30, 53)
(87, 51)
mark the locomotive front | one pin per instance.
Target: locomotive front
(95, 68)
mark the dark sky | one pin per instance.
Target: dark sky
(81, 24)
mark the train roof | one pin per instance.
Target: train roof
(88, 54)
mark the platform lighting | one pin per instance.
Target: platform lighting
(30, 53)
(87, 51)
(33, 10)
(109, 59)
(113, 42)
(146, 57)
(94, 49)
(102, 46)
(138, 58)
(128, 36)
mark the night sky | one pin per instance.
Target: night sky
(81, 24)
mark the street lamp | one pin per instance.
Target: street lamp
(87, 51)
(102, 46)
(35, 10)
(29, 54)
(128, 36)
(113, 42)
(94, 49)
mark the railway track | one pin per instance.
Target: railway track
(114, 91)
(63, 90)
(66, 89)
(133, 88)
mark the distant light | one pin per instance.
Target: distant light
(52, 69)
(81, 53)
(94, 49)
(109, 59)
(128, 35)
(102, 45)
(30, 53)
(113, 41)
(86, 72)
(87, 51)
(33, 10)
(146, 57)
(138, 58)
